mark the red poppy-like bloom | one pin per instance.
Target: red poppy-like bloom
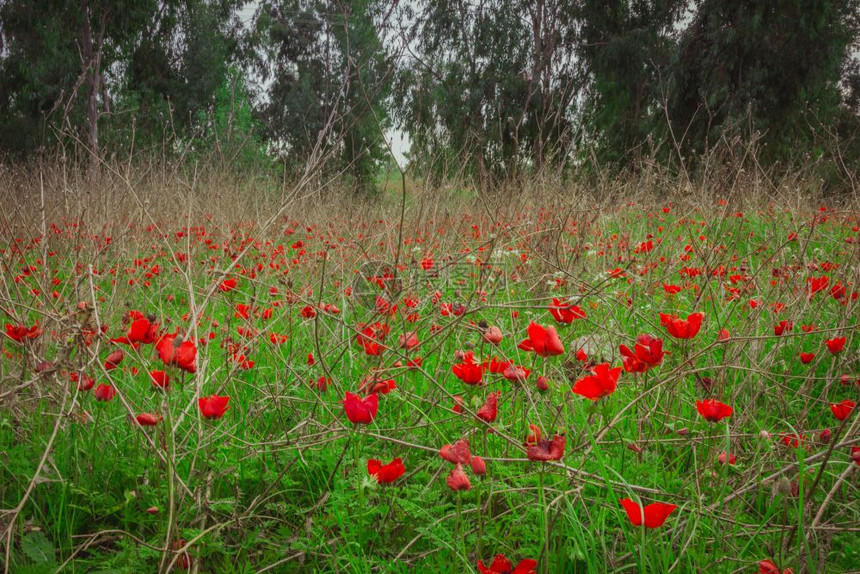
(85, 383)
(479, 466)
(835, 345)
(501, 565)
(496, 366)
(386, 473)
(457, 453)
(148, 419)
(564, 312)
(647, 352)
(713, 410)
(374, 384)
(768, 567)
(409, 341)
(142, 330)
(361, 411)
(601, 384)
(806, 358)
(19, 333)
(114, 359)
(843, 409)
(816, 284)
(543, 341)
(174, 351)
(855, 454)
(227, 285)
(782, 327)
(457, 479)
(458, 405)
(213, 407)
(515, 373)
(308, 312)
(846, 380)
(631, 362)
(159, 380)
(490, 408)
(104, 392)
(792, 440)
(542, 449)
(726, 457)
(655, 514)
(492, 335)
(469, 371)
(680, 328)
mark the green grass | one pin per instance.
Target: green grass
(280, 483)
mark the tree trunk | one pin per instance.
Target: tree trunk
(92, 61)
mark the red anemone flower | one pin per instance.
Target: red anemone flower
(361, 411)
(104, 392)
(542, 340)
(713, 410)
(649, 350)
(174, 351)
(496, 366)
(227, 285)
(680, 328)
(458, 405)
(546, 449)
(213, 406)
(490, 408)
(148, 419)
(501, 565)
(725, 457)
(19, 333)
(782, 327)
(843, 409)
(515, 373)
(457, 479)
(142, 330)
(457, 453)
(469, 371)
(308, 312)
(564, 312)
(114, 359)
(408, 341)
(386, 473)
(601, 384)
(631, 362)
(492, 335)
(768, 567)
(835, 345)
(807, 358)
(159, 379)
(655, 514)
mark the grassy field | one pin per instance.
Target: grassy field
(304, 310)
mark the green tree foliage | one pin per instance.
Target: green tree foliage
(89, 70)
(491, 82)
(495, 89)
(770, 66)
(328, 74)
(625, 49)
(56, 56)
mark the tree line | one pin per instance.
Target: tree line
(489, 89)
